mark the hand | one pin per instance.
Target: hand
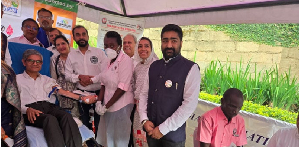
(85, 80)
(149, 126)
(90, 99)
(100, 109)
(2, 133)
(32, 114)
(156, 134)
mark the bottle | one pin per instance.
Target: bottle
(91, 113)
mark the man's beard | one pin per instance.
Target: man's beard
(166, 56)
(82, 44)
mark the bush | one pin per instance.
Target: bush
(285, 35)
(268, 88)
(249, 106)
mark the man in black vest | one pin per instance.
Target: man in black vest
(170, 93)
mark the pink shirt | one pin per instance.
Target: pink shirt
(213, 128)
(23, 40)
(118, 75)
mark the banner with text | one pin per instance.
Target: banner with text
(12, 7)
(259, 129)
(64, 14)
(122, 25)
(15, 11)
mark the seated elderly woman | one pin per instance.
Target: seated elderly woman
(37, 103)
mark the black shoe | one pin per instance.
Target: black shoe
(91, 142)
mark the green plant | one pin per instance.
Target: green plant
(285, 35)
(264, 110)
(268, 88)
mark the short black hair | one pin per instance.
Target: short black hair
(61, 36)
(45, 10)
(79, 26)
(172, 27)
(113, 34)
(145, 38)
(30, 19)
(233, 91)
(53, 29)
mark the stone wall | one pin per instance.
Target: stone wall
(202, 45)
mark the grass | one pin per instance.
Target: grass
(263, 87)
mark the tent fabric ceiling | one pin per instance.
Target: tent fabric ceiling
(197, 12)
(146, 8)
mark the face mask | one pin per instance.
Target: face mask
(111, 54)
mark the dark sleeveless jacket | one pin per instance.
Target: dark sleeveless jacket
(166, 88)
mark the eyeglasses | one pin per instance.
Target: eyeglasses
(45, 17)
(29, 27)
(31, 62)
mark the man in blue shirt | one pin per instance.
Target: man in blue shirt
(45, 22)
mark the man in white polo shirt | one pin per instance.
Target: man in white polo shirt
(82, 67)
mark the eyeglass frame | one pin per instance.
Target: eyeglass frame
(46, 17)
(31, 61)
(30, 27)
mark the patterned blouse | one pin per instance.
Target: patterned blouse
(64, 102)
(139, 74)
(9, 91)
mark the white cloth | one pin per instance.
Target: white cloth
(34, 90)
(7, 57)
(118, 75)
(134, 62)
(137, 59)
(36, 137)
(89, 63)
(100, 109)
(285, 137)
(190, 96)
(53, 50)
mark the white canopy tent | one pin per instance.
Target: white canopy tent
(157, 13)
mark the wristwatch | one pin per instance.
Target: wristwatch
(79, 99)
(144, 121)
